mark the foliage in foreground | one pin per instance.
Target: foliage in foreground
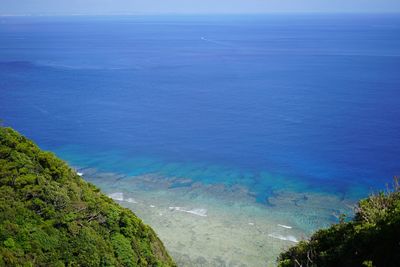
(372, 238)
(49, 216)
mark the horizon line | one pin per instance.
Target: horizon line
(52, 14)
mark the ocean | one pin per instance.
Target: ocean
(264, 107)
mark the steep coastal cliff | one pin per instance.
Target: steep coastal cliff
(49, 216)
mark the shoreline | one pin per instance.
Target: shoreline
(215, 225)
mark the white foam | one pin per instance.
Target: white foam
(175, 208)
(198, 212)
(251, 223)
(80, 173)
(285, 226)
(286, 238)
(117, 196)
(152, 206)
(131, 200)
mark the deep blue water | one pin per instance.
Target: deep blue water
(265, 101)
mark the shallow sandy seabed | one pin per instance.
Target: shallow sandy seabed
(216, 225)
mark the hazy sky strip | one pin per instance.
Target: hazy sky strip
(25, 7)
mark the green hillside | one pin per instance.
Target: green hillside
(49, 216)
(372, 238)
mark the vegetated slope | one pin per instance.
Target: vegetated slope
(372, 238)
(49, 216)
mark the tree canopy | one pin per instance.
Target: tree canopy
(50, 216)
(371, 238)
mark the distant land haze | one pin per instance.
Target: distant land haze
(107, 7)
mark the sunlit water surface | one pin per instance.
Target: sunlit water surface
(233, 136)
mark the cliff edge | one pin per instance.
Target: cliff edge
(50, 216)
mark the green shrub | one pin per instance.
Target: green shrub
(372, 238)
(49, 216)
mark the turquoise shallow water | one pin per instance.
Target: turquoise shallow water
(289, 112)
(216, 225)
(309, 98)
(261, 185)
